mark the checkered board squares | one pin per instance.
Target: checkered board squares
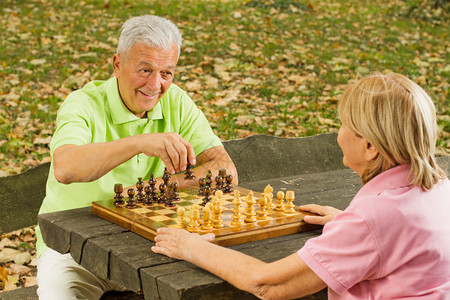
(145, 220)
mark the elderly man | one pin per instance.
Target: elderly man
(130, 126)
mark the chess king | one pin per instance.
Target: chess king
(136, 123)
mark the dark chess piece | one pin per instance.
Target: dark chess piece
(174, 188)
(140, 195)
(152, 180)
(208, 178)
(189, 174)
(130, 202)
(202, 185)
(207, 191)
(148, 199)
(163, 193)
(228, 188)
(219, 183)
(166, 177)
(118, 198)
(152, 183)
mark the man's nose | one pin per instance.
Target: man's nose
(154, 81)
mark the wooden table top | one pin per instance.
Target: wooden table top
(110, 251)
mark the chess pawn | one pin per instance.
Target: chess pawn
(131, 203)
(202, 184)
(139, 187)
(219, 183)
(180, 218)
(207, 191)
(219, 196)
(207, 221)
(174, 188)
(262, 213)
(250, 215)
(236, 217)
(290, 207)
(194, 223)
(148, 200)
(118, 190)
(208, 178)
(163, 196)
(217, 211)
(228, 188)
(280, 201)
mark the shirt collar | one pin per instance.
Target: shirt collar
(393, 178)
(119, 112)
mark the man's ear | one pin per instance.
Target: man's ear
(370, 151)
(116, 64)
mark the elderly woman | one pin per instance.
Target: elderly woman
(393, 241)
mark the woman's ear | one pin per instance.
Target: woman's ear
(370, 151)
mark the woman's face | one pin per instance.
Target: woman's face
(354, 149)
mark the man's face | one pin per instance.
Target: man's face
(144, 74)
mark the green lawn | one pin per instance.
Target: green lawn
(274, 67)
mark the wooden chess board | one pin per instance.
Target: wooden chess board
(145, 220)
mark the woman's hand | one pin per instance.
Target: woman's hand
(178, 243)
(326, 213)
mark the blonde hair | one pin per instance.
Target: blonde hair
(398, 118)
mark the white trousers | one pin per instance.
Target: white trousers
(59, 277)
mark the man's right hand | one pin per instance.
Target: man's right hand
(174, 151)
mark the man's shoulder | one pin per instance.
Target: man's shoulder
(93, 93)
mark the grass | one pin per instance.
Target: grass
(264, 66)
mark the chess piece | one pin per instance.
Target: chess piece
(236, 217)
(130, 202)
(166, 177)
(140, 194)
(202, 185)
(219, 183)
(219, 196)
(207, 221)
(228, 188)
(208, 178)
(189, 174)
(148, 199)
(175, 197)
(280, 202)
(207, 191)
(194, 223)
(163, 195)
(263, 203)
(250, 215)
(154, 193)
(118, 198)
(268, 190)
(290, 207)
(217, 212)
(181, 224)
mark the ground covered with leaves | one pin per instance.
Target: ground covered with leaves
(274, 67)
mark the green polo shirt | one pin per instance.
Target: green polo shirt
(96, 114)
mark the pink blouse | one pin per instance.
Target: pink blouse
(393, 241)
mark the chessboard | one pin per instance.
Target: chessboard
(238, 216)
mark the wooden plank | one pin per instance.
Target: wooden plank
(181, 280)
(57, 226)
(78, 238)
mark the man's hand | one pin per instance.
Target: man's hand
(174, 242)
(174, 151)
(326, 213)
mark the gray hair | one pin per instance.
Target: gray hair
(154, 31)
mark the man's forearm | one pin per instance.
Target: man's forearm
(89, 162)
